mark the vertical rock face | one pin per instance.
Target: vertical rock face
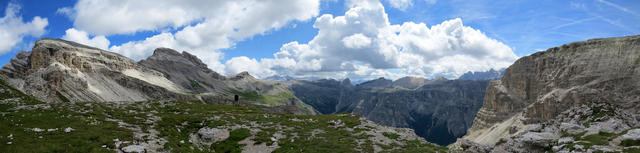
(439, 110)
(540, 86)
(59, 70)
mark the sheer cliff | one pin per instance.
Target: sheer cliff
(574, 78)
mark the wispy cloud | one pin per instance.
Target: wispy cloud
(615, 23)
(618, 7)
(573, 23)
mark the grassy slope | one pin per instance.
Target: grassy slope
(95, 128)
(270, 99)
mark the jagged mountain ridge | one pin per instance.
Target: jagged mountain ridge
(439, 110)
(487, 75)
(587, 78)
(59, 70)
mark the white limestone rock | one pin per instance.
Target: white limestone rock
(213, 134)
(133, 148)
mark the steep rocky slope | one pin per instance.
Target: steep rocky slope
(439, 110)
(594, 85)
(59, 70)
(185, 70)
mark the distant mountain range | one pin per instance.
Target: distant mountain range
(279, 78)
(439, 110)
(487, 75)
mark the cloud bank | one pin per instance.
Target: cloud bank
(201, 27)
(363, 44)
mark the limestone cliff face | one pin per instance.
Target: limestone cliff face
(58, 70)
(540, 86)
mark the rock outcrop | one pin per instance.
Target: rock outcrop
(538, 88)
(59, 70)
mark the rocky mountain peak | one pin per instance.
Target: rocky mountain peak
(162, 51)
(242, 75)
(410, 82)
(377, 83)
(486, 75)
(74, 56)
(45, 41)
(346, 82)
(168, 54)
(279, 78)
(440, 78)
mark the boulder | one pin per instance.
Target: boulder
(474, 147)
(632, 135)
(213, 134)
(133, 148)
(565, 140)
(571, 128)
(542, 139)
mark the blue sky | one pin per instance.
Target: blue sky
(524, 27)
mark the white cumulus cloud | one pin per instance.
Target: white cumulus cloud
(13, 29)
(400, 4)
(83, 38)
(238, 64)
(202, 27)
(356, 41)
(363, 44)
